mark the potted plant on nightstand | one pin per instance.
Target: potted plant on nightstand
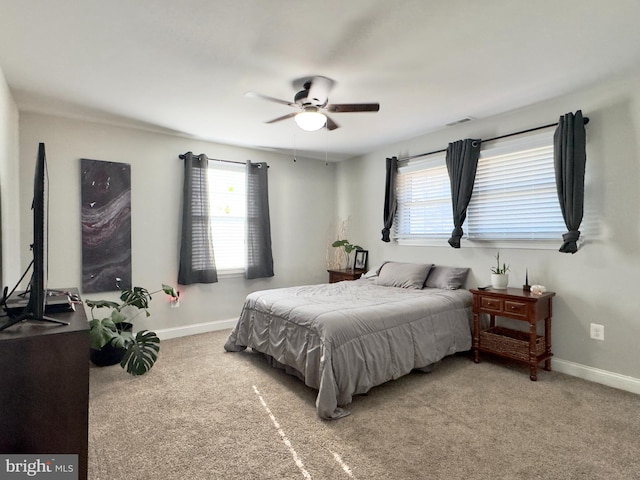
(112, 339)
(348, 248)
(499, 275)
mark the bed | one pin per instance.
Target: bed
(344, 338)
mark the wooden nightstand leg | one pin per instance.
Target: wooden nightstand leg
(547, 339)
(476, 338)
(533, 357)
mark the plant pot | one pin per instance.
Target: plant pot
(499, 281)
(109, 354)
(348, 263)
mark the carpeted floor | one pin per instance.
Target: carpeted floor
(202, 413)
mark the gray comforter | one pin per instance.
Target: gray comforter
(345, 338)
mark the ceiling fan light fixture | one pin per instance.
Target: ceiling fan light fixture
(310, 119)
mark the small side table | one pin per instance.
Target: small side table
(345, 274)
(527, 347)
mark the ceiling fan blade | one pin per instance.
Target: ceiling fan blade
(284, 117)
(331, 125)
(271, 99)
(353, 107)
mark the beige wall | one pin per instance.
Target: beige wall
(301, 197)
(9, 193)
(597, 284)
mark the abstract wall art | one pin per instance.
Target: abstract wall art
(106, 225)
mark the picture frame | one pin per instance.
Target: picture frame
(360, 262)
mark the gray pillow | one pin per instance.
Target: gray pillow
(403, 275)
(372, 272)
(450, 278)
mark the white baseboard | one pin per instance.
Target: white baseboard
(194, 329)
(615, 380)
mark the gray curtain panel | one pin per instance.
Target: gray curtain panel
(390, 201)
(570, 158)
(259, 257)
(197, 263)
(462, 162)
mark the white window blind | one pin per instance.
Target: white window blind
(424, 208)
(514, 195)
(228, 207)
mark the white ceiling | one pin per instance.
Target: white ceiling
(184, 65)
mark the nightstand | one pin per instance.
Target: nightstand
(345, 274)
(517, 304)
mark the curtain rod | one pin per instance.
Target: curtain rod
(500, 137)
(181, 157)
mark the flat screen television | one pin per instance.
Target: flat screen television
(31, 304)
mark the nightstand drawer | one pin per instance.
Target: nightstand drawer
(490, 303)
(515, 308)
(499, 305)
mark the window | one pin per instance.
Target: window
(228, 207)
(424, 201)
(514, 196)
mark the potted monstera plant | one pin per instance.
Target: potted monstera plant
(112, 337)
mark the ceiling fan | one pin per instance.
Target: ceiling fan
(312, 103)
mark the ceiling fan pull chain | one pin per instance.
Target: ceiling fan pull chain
(326, 147)
(294, 147)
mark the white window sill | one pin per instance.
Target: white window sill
(505, 244)
(231, 272)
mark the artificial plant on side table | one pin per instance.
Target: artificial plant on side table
(499, 275)
(348, 248)
(113, 333)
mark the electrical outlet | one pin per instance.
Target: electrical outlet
(175, 301)
(597, 331)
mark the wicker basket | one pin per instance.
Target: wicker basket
(512, 343)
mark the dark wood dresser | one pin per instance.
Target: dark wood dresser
(44, 387)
